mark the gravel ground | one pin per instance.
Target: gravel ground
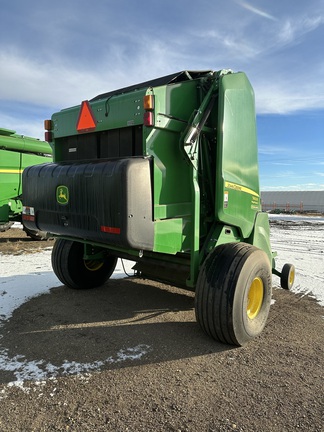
(153, 368)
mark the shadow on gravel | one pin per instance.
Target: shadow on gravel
(15, 239)
(126, 322)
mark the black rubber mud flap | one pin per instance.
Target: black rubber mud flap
(106, 201)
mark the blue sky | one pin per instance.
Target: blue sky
(55, 54)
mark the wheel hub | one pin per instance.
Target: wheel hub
(291, 277)
(93, 265)
(255, 298)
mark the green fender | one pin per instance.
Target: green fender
(260, 236)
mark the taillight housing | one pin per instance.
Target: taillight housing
(148, 104)
(148, 118)
(48, 125)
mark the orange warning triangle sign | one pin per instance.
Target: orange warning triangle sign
(86, 120)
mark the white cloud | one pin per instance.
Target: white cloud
(293, 30)
(70, 62)
(297, 187)
(255, 10)
(57, 82)
(23, 125)
(28, 80)
(282, 163)
(288, 92)
(273, 150)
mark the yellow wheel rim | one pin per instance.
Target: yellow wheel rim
(93, 265)
(291, 278)
(255, 298)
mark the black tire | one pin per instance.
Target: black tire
(233, 293)
(75, 272)
(287, 277)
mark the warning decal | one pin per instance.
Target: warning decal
(86, 121)
(225, 199)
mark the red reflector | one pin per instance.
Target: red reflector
(28, 218)
(110, 230)
(148, 118)
(86, 121)
(48, 136)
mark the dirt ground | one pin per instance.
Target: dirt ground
(181, 380)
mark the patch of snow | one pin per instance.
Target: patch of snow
(19, 283)
(38, 370)
(297, 218)
(32, 277)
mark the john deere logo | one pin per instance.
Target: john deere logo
(62, 195)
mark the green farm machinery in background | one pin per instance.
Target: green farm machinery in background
(163, 173)
(16, 153)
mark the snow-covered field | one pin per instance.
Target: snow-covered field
(300, 243)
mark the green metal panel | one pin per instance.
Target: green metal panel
(172, 195)
(17, 152)
(237, 176)
(171, 172)
(168, 235)
(12, 164)
(12, 141)
(260, 236)
(111, 113)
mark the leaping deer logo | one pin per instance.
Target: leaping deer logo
(62, 194)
